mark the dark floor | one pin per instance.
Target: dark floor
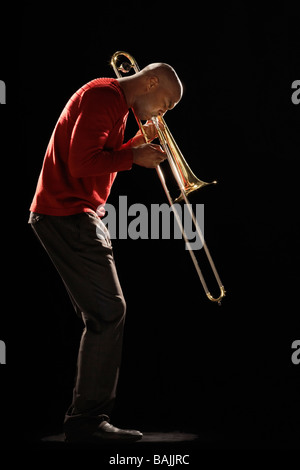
(173, 442)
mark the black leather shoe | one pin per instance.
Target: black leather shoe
(104, 432)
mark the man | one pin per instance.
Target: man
(84, 154)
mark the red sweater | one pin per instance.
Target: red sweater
(85, 151)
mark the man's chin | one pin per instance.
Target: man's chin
(142, 116)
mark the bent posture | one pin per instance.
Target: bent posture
(85, 152)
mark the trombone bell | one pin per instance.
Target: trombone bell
(189, 181)
(192, 183)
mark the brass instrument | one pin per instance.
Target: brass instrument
(185, 178)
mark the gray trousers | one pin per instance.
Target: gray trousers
(80, 248)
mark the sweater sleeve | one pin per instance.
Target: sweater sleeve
(99, 111)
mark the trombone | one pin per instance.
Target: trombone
(185, 178)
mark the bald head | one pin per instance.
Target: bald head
(152, 91)
(167, 77)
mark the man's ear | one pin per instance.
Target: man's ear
(152, 83)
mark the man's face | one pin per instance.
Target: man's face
(155, 103)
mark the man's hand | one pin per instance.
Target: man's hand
(148, 155)
(150, 131)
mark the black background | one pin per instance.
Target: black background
(187, 364)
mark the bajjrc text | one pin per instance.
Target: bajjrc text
(163, 460)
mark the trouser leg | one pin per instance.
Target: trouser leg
(86, 266)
